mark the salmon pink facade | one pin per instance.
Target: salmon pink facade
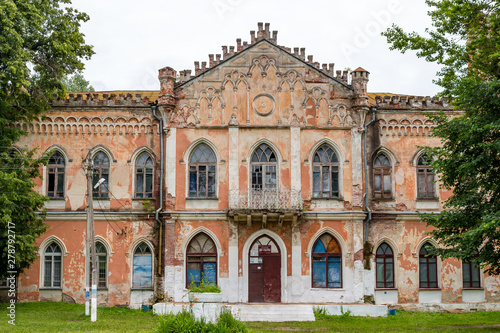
(266, 173)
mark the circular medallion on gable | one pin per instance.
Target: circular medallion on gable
(263, 104)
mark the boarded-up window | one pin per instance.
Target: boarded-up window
(142, 267)
(201, 261)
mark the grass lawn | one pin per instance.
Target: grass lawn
(63, 317)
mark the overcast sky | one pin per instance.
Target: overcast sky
(133, 39)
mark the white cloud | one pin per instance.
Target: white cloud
(133, 39)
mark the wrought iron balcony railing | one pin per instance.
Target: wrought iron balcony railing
(278, 200)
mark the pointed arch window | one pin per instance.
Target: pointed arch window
(264, 165)
(428, 266)
(425, 178)
(101, 170)
(55, 176)
(142, 274)
(325, 173)
(201, 260)
(202, 163)
(52, 266)
(102, 265)
(326, 263)
(382, 177)
(385, 266)
(144, 171)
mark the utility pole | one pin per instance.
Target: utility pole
(91, 234)
(90, 218)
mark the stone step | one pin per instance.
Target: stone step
(274, 312)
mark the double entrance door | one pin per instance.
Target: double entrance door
(264, 267)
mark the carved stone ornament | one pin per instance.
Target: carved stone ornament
(263, 104)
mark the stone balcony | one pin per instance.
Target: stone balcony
(279, 200)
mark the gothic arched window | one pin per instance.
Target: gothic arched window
(382, 174)
(425, 178)
(428, 266)
(142, 274)
(144, 172)
(201, 260)
(326, 263)
(202, 163)
(325, 173)
(55, 176)
(52, 266)
(101, 170)
(385, 266)
(264, 165)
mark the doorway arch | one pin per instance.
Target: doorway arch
(264, 270)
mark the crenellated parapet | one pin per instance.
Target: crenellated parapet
(263, 32)
(413, 102)
(106, 99)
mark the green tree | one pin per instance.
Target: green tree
(40, 43)
(465, 40)
(77, 83)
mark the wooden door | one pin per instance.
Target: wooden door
(272, 278)
(264, 267)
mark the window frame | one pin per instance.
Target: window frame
(471, 268)
(52, 275)
(423, 169)
(97, 170)
(151, 254)
(142, 170)
(327, 255)
(202, 255)
(428, 259)
(263, 165)
(100, 284)
(197, 174)
(384, 263)
(54, 169)
(382, 171)
(330, 165)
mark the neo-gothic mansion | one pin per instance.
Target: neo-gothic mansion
(275, 177)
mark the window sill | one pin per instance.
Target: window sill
(102, 199)
(56, 199)
(191, 198)
(144, 199)
(473, 288)
(384, 199)
(427, 199)
(327, 199)
(328, 289)
(429, 289)
(50, 288)
(382, 289)
(142, 289)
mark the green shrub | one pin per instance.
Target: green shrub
(185, 322)
(204, 287)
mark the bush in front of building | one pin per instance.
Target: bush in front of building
(185, 322)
